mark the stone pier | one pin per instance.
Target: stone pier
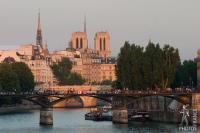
(46, 116)
(120, 115)
(196, 105)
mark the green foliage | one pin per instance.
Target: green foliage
(151, 65)
(117, 84)
(8, 78)
(129, 69)
(171, 60)
(62, 72)
(106, 82)
(16, 77)
(186, 74)
(25, 76)
(150, 68)
(75, 79)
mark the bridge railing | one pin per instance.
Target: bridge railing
(111, 92)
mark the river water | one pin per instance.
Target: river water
(72, 121)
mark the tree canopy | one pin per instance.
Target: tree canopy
(25, 76)
(8, 78)
(139, 68)
(106, 82)
(62, 72)
(16, 77)
(186, 75)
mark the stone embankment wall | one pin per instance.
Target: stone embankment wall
(18, 108)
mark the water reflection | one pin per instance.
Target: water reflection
(72, 121)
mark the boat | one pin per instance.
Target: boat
(103, 116)
(92, 114)
(99, 114)
(89, 116)
(107, 116)
(139, 116)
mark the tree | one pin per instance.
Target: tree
(106, 82)
(8, 78)
(75, 79)
(129, 66)
(117, 85)
(150, 68)
(123, 65)
(25, 76)
(62, 72)
(152, 65)
(171, 60)
(136, 67)
(186, 74)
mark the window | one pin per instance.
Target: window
(100, 44)
(76, 42)
(81, 43)
(104, 44)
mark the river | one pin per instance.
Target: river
(72, 121)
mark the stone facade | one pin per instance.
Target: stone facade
(102, 44)
(108, 72)
(94, 65)
(38, 63)
(79, 40)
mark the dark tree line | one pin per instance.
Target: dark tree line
(149, 67)
(62, 72)
(186, 75)
(16, 77)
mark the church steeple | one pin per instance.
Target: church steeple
(39, 33)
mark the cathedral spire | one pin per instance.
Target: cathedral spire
(85, 24)
(39, 33)
(39, 26)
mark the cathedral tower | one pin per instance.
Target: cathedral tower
(79, 39)
(102, 44)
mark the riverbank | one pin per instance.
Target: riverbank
(17, 108)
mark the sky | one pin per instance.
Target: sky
(174, 22)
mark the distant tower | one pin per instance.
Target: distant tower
(39, 33)
(85, 24)
(102, 44)
(79, 40)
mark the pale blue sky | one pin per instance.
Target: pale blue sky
(175, 22)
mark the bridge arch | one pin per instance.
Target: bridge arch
(84, 99)
(150, 103)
